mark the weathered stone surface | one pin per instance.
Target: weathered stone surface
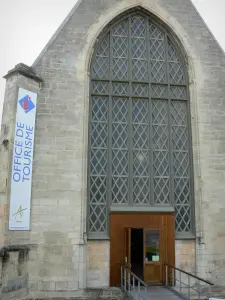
(25, 71)
(98, 264)
(64, 260)
(16, 248)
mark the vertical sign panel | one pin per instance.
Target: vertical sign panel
(21, 177)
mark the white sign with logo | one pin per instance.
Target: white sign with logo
(22, 161)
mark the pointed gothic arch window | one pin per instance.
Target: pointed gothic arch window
(139, 137)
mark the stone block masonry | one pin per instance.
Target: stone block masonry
(64, 263)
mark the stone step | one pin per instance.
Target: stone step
(91, 294)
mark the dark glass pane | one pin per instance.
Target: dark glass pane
(157, 54)
(183, 218)
(97, 218)
(101, 61)
(152, 245)
(177, 92)
(120, 51)
(120, 88)
(120, 190)
(159, 91)
(140, 89)
(141, 190)
(176, 72)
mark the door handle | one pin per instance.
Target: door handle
(128, 265)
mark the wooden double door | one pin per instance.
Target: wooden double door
(145, 242)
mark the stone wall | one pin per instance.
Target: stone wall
(99, 254)
(185, 259)
(14, 271)
(185, 255)
(59, 193)
(64, 66)
(98, 264)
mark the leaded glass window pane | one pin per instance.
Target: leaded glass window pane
(157, 53)
(101, 62)
(120, 151)
(139, 134)
(176, 71)
(139, 49)
(98, 165)
(120, 51)
(160, 152)
(140, 129)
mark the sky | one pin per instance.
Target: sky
(26, 26)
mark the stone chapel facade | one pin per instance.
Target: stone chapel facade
(130, 119)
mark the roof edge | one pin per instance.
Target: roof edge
(206, 25)
(54, 36)
(25, 71)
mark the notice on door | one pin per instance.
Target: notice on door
(155, 258)
(22, 161)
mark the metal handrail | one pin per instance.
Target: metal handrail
(192, 275)
(187, 287)
(128, 284)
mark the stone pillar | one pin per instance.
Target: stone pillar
(24, 77)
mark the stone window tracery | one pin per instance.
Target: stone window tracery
(139, 144)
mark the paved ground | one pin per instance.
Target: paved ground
(156, 293)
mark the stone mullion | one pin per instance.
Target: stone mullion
(130, 122)
(109, 169)
(150, 128)
(170, 129)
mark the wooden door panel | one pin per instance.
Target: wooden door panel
(120, 221)
(152, 273)
(153, 255)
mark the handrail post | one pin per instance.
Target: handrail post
(166, 275)
(133, 282)
(210, 291)
(189, 287)
(172, 277)
(124, 279)
(121, 277)
(128, 281)
(180, 282)
(138, 289)
(198, 287)
(198, 290)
